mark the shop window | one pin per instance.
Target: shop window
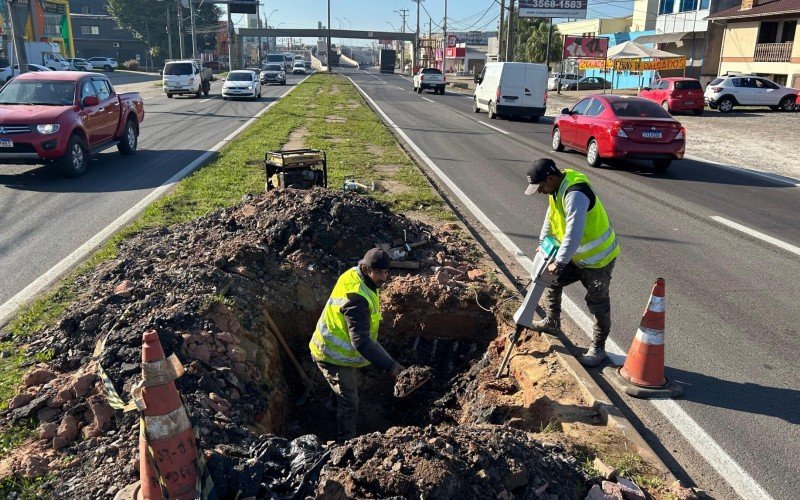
(666, 6)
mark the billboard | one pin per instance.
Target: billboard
(634, 64)
(553, 8)
(243, 7)
(588, 47)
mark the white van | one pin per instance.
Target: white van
(508, 89)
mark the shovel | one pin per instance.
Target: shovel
(404, 392)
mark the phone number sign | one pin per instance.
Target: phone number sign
(553, 8)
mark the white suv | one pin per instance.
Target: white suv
(728, 91)
(563, 79)
(104, 63)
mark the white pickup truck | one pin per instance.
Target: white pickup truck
(186, 77)
(429, 78)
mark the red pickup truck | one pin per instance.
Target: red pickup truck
(65, 117)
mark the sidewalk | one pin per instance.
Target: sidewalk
(745, 138)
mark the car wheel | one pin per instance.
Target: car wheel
(199, 92)
(169, 96)
(74, 163)
(130, 139)
(665, 105)
(224, 98)
(534, 118)
(207, 88)
(787, 103)
(492, 111)
(593, 154)
(698, 112)
(107, 68)
(556, 143)
(475, 108)
(725, 105)
(661, 165)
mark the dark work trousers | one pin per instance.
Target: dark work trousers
(597, 283)
(344, 381)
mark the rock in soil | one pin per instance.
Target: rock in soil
(410, 378)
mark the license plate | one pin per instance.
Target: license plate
(5, 143)
(651, 135)
(689, 103)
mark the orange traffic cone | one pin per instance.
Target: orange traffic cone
(642, 375)
(169, 434)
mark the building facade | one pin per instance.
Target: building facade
(594, 27)
(758, 38)
(47, 21)
(97, 34)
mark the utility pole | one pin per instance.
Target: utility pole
(194, 34)
(510, 33)
(444, 52)
(169, 35)
(328, 56)
(180, 25)
(230, 39)
(17, 35)
(258, 14)
(500, 31)
(549, 38)
(403, 13)
(416, 62)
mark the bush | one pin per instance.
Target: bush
(131, 65)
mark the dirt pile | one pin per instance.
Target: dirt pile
(206, 286)
(471, 461)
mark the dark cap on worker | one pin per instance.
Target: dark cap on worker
(375, 258)
(538, 172)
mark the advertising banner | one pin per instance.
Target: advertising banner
(634, 64)
(589, 47)
(553, 8)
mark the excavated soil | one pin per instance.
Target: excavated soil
(207, 288)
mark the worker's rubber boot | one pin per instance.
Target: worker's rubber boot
(594, 356)
(547, 325)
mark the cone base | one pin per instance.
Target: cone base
(668, 390)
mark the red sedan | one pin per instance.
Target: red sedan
(676, 94)
(610, 126)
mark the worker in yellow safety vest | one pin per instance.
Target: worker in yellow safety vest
(346, 336)
(588, 248)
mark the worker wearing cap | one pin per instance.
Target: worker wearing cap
(587, 248)
(346, 337)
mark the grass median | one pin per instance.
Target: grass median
(324, 112)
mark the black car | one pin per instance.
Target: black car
(588, 83)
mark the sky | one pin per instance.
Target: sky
(462, 15)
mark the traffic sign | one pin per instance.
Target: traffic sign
(243, 6)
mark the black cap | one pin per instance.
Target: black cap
(538, 172)
(376, 258)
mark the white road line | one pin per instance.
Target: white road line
(43, 282)
(206, 100)
(401, 88)
(703, 444)
(493, 127)
(429, 100)
(755, 234)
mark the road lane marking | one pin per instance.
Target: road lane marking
(206, 100)
(429, 100)
(43, 282)
(704, 445)
(401, 88)
(493, 127)
(756, 234)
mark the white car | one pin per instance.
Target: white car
(273, 73)
(241, 83)
(299, 67)
(557, 79)
(104, 63)
(6, 73)
(78, 64)
(725, 92)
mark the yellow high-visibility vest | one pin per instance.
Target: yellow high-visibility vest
(599, 242)
(331, 340)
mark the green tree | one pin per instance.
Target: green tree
(530, 40)
(147, 21)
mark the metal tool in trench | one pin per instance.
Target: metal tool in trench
(545, 255)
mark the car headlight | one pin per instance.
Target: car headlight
(250, 86)
(48, 128)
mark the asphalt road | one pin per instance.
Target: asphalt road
(45, 216)
(732, 312)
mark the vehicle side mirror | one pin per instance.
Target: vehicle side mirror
(565, 111)
(477, 79)
(90, 100)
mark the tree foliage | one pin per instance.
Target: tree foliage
(147, 21)
(530, 40)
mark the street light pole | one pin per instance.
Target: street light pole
(510, 33)
(328, 57)
(169, 35)
(444, 52)
(180, 25)
(194, 33)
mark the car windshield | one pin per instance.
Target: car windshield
(177, 69)
(298, 63)
(275, 58)
(36, 92)
(688, 85)
(639, 109)
(273, 67)
(240, 77)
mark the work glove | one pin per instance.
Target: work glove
(396, 369)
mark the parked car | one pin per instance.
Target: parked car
(561, 79)
(726, 92)
(241, 83)
(273, 73)
(676, 94)
(104, 63)
(610, 126)
(65, 117)
(588, 83)
(186, 76)
(299, 68)
(78, 64)
(8, 73)
(214, 65)
(429, 78)
(511, 89)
